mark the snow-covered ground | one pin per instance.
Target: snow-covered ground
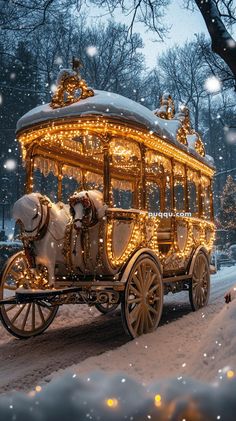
(82, 340)
(187, 343)
(154, 377)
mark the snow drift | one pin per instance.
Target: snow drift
(100, 397)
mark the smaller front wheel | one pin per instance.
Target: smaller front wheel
(22, 320)
(142, 305)
(199, 291)
(106, 308)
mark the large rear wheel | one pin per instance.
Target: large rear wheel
(199, 291)
(22, 320)
(142, 304)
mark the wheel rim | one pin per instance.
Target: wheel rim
(22, 320)
(106, 307)
(143, 298)
(200, 282)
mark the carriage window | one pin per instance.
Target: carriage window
(153, 197)
(126, 156)
(122, 193)
(71, 181)
(179, 194)
(93, 181)
(193, 181)
(156, 164)
(205, 183)
(45, 177)
(193, 197)
(87, 144)
(153, 163)
(125, 159)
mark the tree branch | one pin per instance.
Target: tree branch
(223, 43)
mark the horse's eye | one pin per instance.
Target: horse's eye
(35, 216)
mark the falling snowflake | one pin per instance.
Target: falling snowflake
(231, 43)
(92, 50)
(58, 60)
(212, 84)
(10, 164)
(53, 88)
(230, 135)
(1, 99)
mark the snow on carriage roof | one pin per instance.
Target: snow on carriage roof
(105, 103)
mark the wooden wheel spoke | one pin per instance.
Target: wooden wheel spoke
(134, 300)
(153, 289)
(26, 317)
(10, 307)
(134, 312)
(140, 276)
(33, 316)
(136, 322)
(152, 310)
(147, 325)
(138, 283)
(149, 318)
(41, 313)
(134, 290)
(18, 313)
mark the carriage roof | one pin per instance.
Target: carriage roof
(108, 106)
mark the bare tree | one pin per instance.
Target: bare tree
(214, 12)
(183, 74)
(219, 15)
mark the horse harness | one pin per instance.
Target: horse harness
(41, 229)
(89, 208)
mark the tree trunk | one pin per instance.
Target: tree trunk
(223, 43)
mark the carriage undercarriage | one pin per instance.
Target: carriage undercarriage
(138, 290)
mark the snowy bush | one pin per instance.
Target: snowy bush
(105, 398)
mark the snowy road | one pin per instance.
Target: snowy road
(80, 335)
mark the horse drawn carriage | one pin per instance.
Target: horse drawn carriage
(118, 210)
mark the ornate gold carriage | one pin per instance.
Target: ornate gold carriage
(158, 229)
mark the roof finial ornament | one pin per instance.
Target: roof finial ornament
(185, 134)
(167, 107)
(71, 87)
(76, 64)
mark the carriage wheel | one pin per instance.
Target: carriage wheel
(200, 286)
(22, 320)
(142, 305)
(106, 307)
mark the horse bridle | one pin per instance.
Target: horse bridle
(88, 207)
(41, 228)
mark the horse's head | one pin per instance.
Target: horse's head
(85, 208)
(31, 211)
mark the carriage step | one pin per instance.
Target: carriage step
(31, 294)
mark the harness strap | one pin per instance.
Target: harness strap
(88, 206)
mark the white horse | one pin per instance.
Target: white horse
(43, 224)
(87, 208)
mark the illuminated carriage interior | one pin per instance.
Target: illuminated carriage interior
(144, 162)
